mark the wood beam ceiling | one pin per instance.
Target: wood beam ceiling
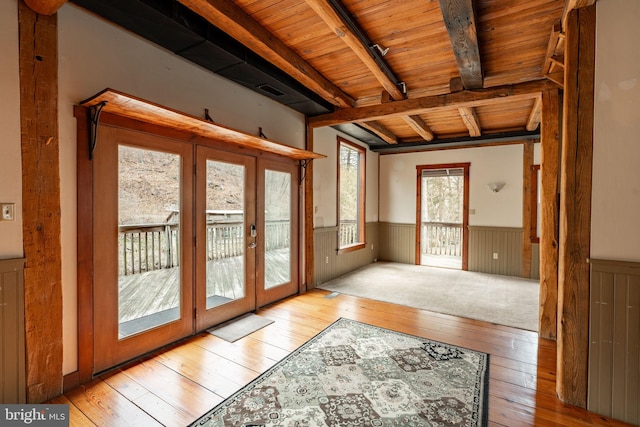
(470, 119)
(534, 116)
(460, 20)
(423, 105)
(344, 33)
(420, 126)
(553, 67)
(384, 133)
(227, 15)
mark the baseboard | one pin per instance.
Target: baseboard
(70, 381)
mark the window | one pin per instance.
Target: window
(351, 196)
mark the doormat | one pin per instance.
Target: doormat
(240, 327)
(354, 374)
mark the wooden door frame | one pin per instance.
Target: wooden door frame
(85, 223)
(110, 349)
(465, 208)
(264, 297)
(206, 318)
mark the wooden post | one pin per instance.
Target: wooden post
(575, 208)
(45, 7)
(549, 154)
(41, 202)
(308, 218)
(527, 163)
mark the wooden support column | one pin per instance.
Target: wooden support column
(308, 217)
(549, 208)
(575, 208)
(41, 202)
(527, 163)
(45, 7)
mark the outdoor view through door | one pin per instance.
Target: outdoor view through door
(148, 239)
(159, 203)
(442, 216)
(225, 266)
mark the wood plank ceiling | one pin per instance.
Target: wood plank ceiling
(410, 71)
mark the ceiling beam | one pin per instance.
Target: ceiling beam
(415, 106)
(385, 134)
(534, 117)
(344, 31)
(420, 126)
(504, 138)
(470, 119)
(460, 19)
(234, 21)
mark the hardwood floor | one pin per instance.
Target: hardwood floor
(175, 386)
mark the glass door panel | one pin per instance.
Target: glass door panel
(142, 226)
(225, 240)
(225, 232)
(148, 239)
(277, 228)
(278, 236)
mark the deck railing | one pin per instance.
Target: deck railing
(348, 233)
(147, 247)
(151, 247)
(441, 238)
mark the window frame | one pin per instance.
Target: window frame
(362, 156)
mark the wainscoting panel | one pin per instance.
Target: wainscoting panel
(329, 265)
(535, 261)
(12, 349)
(398, 242)
(484, 242)
(614, 340)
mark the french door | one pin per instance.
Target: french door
(186, 237)
(442, 215)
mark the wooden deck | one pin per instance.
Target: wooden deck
(175, 386)
(145, 294)
(445, 261)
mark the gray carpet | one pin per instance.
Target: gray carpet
(240, 327)
(503, 300)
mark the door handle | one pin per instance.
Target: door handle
(252, 245)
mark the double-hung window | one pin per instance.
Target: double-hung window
(351, 196)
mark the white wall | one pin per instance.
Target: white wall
(488, 164)
(325, 184)
(10, 148)
(94, 55)
(615, 208)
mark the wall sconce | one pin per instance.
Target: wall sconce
(382, 51)
(496, 186)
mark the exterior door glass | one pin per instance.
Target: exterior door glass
(225, 225)
(442, 218)
(277, 232)
(148, 239)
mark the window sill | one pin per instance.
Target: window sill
(351, 248)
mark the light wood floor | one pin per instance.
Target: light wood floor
(175, 386)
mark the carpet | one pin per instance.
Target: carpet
(354, 374)
(503, 300)
(240, 327)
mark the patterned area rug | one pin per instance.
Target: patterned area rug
(354, 374)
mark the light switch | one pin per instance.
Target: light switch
(8, 211)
